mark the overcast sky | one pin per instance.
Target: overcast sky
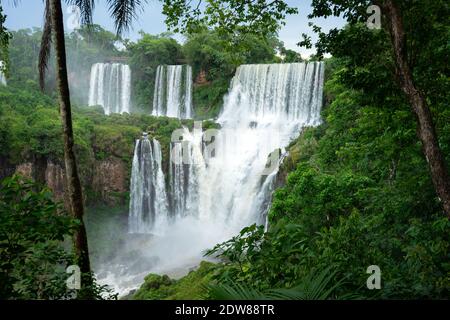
(29, 13)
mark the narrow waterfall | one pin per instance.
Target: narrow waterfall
(173, 91)
(148, 200)
(110, 87)
(2, 75)
(186, 165)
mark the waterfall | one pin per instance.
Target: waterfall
(173, 91)
(2, 75)
(187, 164)
(219, 180)
(265, 109)
(148, 200)
(230, 181)
(110, 85)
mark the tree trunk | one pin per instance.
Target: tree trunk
(75, 195)
(425, 127)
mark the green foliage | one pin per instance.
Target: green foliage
(155, 287)
(229, 16)
(32, 229)
(318, 285)
(193, 286)
(23, 130)
(33, 249)
(291, 56)
(207, 50)
(366, 55)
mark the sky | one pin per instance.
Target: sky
(29, 13)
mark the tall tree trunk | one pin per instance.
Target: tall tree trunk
(75, 194)
(425, 126)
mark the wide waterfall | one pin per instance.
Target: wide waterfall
(229, 182)
(148, 200)
(265, 109)
(110, 87)
(2, 75)
(173, 91)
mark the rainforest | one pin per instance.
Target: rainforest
(234, 154)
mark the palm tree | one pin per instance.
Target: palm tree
(123, 11)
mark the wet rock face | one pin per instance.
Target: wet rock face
(50, 174)
(25, 170)
(109, 181)
(106, 182)
(6, 168)
(55, 180)
(201, 79)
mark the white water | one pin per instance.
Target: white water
(110, 87)
(213, 195)
(265, 109)
(2, 75)
(173, 92)
(148, 200)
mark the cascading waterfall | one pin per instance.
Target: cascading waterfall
(265, 109)
(2, 75)
(148, 200)
(110, 85)
(173, 91)
(220, 181)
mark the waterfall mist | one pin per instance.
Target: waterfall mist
(218, 186)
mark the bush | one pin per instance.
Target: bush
(32, 231)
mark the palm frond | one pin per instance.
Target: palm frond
(123, 12)
(46, 44)
(235, 291)
(314, 286)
